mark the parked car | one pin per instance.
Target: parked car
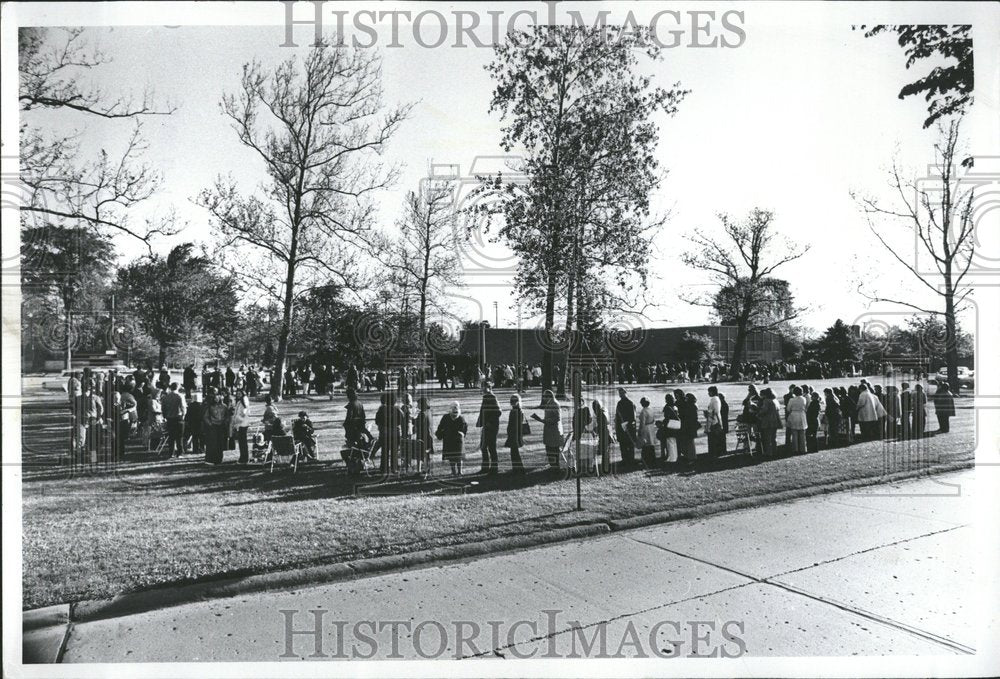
(966, 377)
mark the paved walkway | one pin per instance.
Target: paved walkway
(887, 570)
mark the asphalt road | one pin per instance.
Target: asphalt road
(887, 570)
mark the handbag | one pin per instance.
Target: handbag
(674, 425)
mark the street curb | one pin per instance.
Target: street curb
(169, 596)
(165, 597)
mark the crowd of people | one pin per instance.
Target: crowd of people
(843, 415)
(217, 418)
(184, 419)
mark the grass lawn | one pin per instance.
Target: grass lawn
(159, 521)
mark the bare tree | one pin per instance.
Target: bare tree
(938, 213)
(429, 247)
(98, 192)
(319, 128)
(742, 265)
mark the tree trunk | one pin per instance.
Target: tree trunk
(161, 359)
(570, 298)
(69, 336)
(278, 375)
(741, 340)
(550, 323)
(951, 340)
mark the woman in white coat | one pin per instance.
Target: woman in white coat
(796, 421)
(647, 432)
(239, 424)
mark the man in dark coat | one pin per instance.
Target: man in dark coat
(489, 421)
(189, 381)
(944, 408)
(230, 378)
(625, 427)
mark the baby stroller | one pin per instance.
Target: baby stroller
(259, 448)
(358, 454)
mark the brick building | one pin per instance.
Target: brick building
(651, 345)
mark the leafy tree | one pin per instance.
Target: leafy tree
(71, 264)
(742, 264)
(326, 325)
(179, 298)
(947, 89)
(696, 347)
(575, 107)
(774, 308)
(939, 215)
(320, 128)
(839, 344)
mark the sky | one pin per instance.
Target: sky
(801, 114)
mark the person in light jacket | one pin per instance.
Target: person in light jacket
(870, 411)
(796, 421)
(552, 427)
(240, 423)
(647, 432)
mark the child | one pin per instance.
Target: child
(304, 433)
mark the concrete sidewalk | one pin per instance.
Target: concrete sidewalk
(884, 570)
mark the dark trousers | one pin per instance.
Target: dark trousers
(515, 459)
(194, 440)
(490, 459)
(175, 436)
(241, 440)
(812, 445)
(944, 423)
(626, 441)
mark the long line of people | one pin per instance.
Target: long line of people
(406, 436)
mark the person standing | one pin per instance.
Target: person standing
(189, 380)
(625, 427)
(944, 407)
(354, 419)
(240, 423)
(812, 423)
(193, 423)
(388, 419)
(647, 433)
(552, 428)
(602, 428)
(669, 433)
(716, 432)
(906, 411)
(768, 422)
(581, 428)
(214, 428)
(892, 411)
(796, 422)
(489, 422)
(451, 432)
(517, 429)
(88, 414)
(423, 430)
(174, 409)
(687, 408)
(831, 411)
(919, 410)
(870, 410)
